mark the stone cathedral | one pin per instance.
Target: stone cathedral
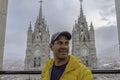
(83, 41)
(37, 46)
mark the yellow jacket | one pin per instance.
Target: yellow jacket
(74, 70)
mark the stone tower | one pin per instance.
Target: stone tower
(37, 46)
(83, 41)
(117, 5)
(3, 16)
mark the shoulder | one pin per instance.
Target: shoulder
(74, 59)
(78, 63)
(48, 63)
(82, 71)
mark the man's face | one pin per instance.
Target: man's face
(60, 47)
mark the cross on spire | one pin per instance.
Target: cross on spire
(81, 1)
(41, 2)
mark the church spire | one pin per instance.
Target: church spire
(40, 12)
(91, 27)
(30, 26)
(81, 10)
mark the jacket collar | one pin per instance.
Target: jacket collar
(73, 63)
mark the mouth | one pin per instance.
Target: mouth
(63, 52)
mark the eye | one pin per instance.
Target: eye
(59, 42)
(67, 43)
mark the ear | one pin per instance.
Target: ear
(50, 46)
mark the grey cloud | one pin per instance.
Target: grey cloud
(15, 44)
(107, 11)
(106, 8)
(20, 13)
(106, 37)
(104, 19)
(60, 17)
(16, 37)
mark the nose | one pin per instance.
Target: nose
(64, 46)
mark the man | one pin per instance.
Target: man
(64, 66)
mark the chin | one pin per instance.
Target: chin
(63, 56)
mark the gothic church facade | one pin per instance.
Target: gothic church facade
(37, 51)
(83, 41)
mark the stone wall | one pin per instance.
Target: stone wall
(117, 5)
(3, 15)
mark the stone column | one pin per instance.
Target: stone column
(3, 16)
(117, 5)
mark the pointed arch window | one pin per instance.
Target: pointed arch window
(35, 62)
(86, 62)
(82, 23)
(39, 61)
(84, 39)
(39, 23)
(37, 58)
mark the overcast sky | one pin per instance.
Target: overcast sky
(60, 15)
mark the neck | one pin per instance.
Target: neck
(59, 62)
